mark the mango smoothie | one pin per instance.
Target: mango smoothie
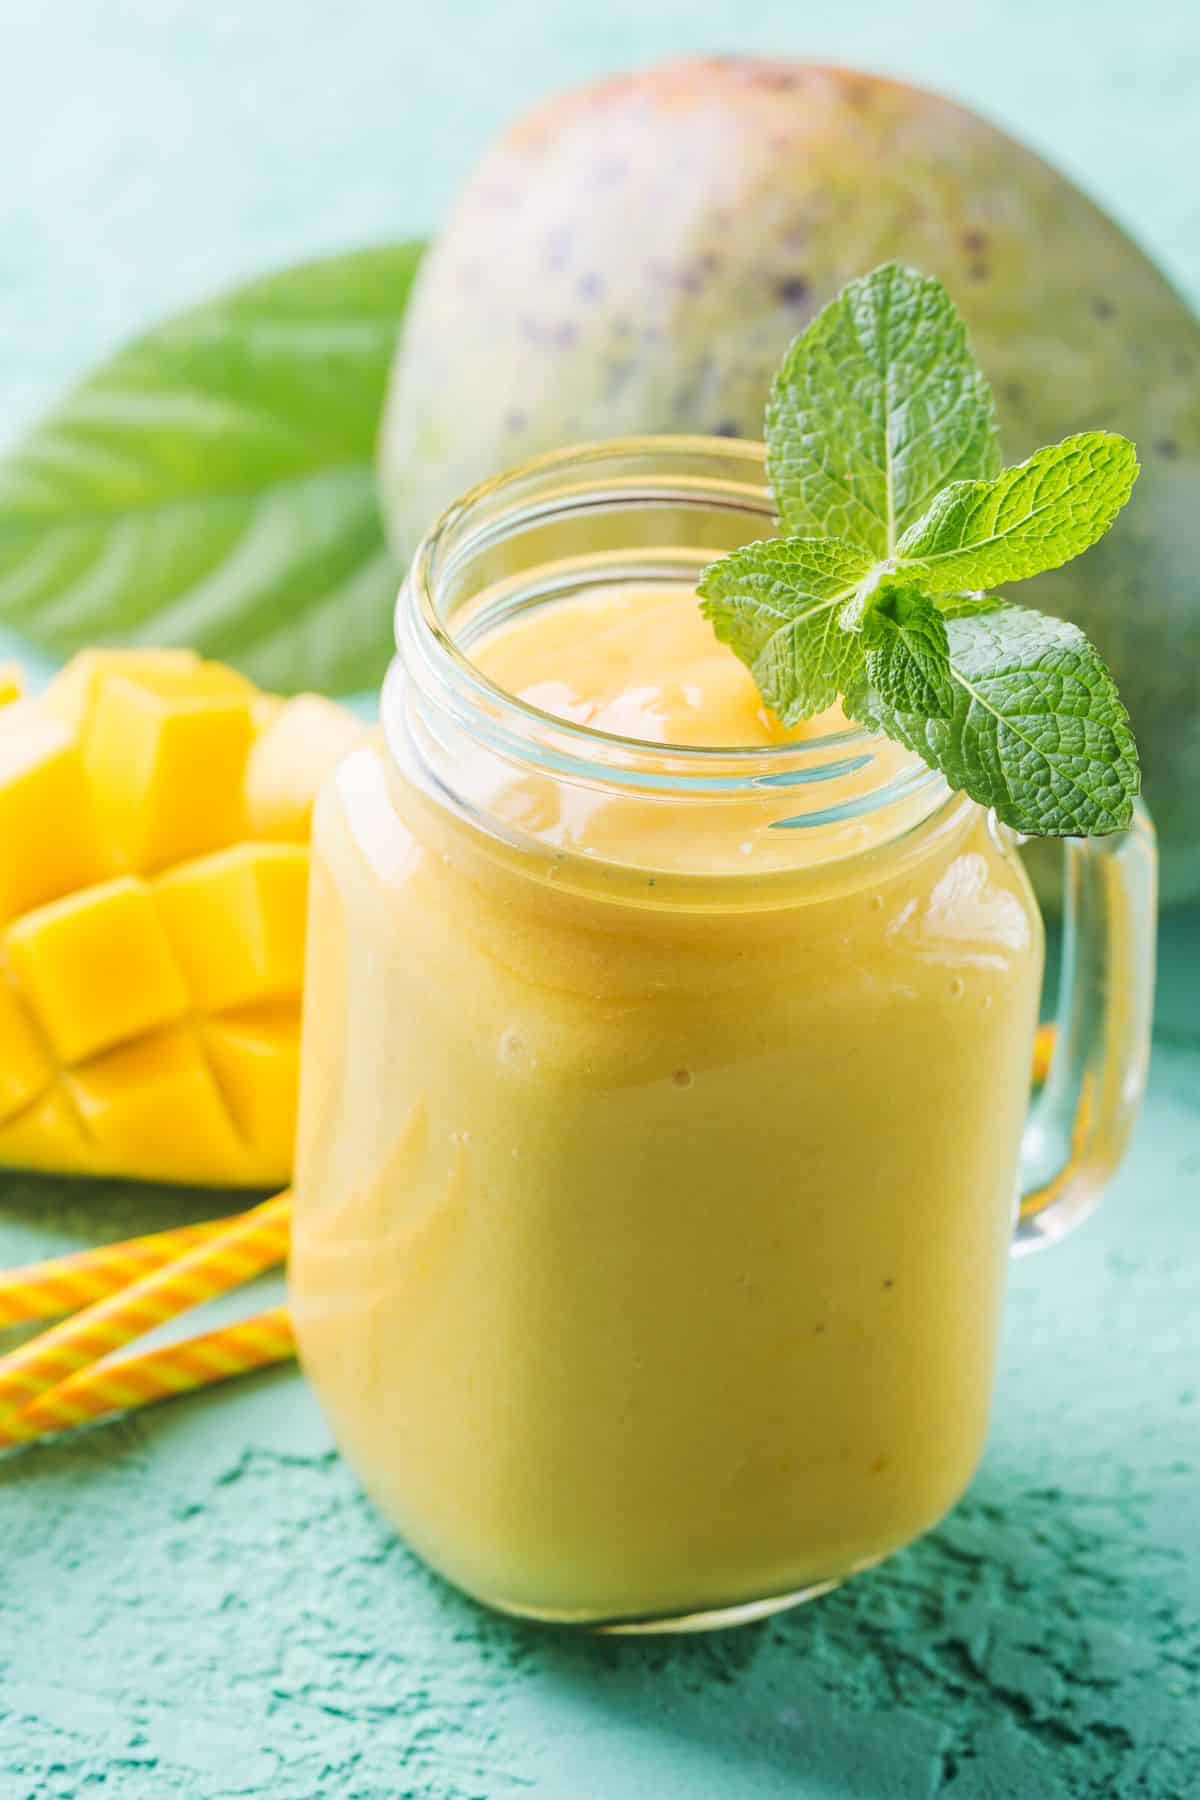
(658, 1160)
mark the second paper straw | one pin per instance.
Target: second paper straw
(250, 1245)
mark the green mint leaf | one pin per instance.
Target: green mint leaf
(882, 454)
(908, 654)
(877, 406)
(1034, 517)
(1036, 728)
(776, 605)
(967, 604)
(214, 485)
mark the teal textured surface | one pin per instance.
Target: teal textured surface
(198, 1602)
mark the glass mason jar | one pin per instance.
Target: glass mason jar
(656, 1181)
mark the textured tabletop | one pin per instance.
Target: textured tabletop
(199, 1602)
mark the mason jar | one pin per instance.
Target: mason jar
(665, 1124)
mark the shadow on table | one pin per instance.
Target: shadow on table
(108, 1449)
(69, 1213)
(1034, 1646)
(1027, 1647)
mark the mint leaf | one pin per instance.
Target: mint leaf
(213, 484)
(776, 604)
(882, 454)
(877, 406)
(968, 603)
(1030, 518)
(1036, 729)
(908, 654)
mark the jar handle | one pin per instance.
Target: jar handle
(1080, 1122)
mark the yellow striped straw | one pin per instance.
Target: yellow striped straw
(47, 1290)
(252, 1243)
(124, 1383)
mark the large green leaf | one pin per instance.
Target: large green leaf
(213, 484)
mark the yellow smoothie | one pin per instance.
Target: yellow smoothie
(657, 1163)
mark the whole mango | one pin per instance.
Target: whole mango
(635, 257)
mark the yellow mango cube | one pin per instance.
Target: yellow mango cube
(97, 968)
(256, 1059)
(11, 684)
(306, 738)
(48, 1136)
(49, 840)
(25, 1068)
(236, 921)
(154, 1106)
(71, 695)
(166, 756)
(151, 933)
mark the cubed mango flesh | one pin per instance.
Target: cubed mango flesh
(50, 842)
(49, 1136)
(236, 923)
(157, 1099)
(139, 745)
(255, 1057)
(71, 695)
(152, 918)
(97, 968)
(26, 1070)
(292, 754)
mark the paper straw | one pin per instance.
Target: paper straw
(124, 1383)
(245, 1248)
(47, 1290)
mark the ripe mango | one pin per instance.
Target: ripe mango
(154, 822)
(636, 255)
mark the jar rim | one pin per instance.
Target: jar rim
(729, 473)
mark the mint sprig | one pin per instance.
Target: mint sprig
(1027, 520)
(877, 406)
(778, 604)
(908, 655)
(1035, 728)
(883, 459)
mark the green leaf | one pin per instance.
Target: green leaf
(1034, 517)
(967, 604)
(776, 605)
(213, 484)
(877, 406)
(908, 654)
(1036, 729)
(883, 459)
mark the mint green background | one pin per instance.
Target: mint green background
(198, 1602)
